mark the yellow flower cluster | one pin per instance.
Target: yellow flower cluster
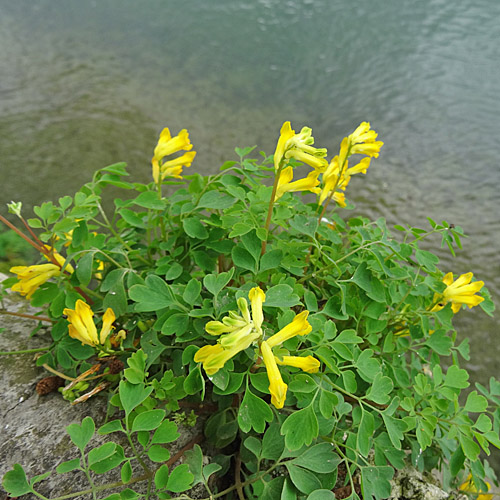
(469, 487)
(334, 176)
(168, 145)
(237, 332)
(30, 278)
(82, 326)
(338, 174)
(459, 292)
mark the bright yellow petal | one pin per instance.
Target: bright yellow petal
(299, 326)
(107, 321)
(85, 314)
(308, 364)
(286, 134)
(277, 387)
(257, 298)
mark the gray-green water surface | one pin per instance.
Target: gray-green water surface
(87, 83)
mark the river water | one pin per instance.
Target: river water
(85, 83)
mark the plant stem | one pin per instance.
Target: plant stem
(29, 316)
(271, 203)
(27, 351)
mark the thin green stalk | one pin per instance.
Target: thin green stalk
(271, 203)
(26, 351)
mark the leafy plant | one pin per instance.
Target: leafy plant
(317, 342)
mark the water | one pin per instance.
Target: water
(85, 84)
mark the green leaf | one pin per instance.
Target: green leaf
(300, 428)
(110, 462)
(254, 445)
(126, 472)
(15, 482)
(327, 402)
(252, 244)
(469, 447)
(158, 454)
(304, 480)
(161, 477)
(192, 291)
(180, 479)
(302, 383)
(216, 200)
(456, 378)
(281, 296)
(152, 296)
(271, 260)
(253, 413)
(210, 469)
(375, 482)
(132, 395)
(166, 433)
(476, 403)
(457, 461)
(273, 443)
(84, 268)
(371, 285)
(101, 453)
(68, 466)
(426, 259)
(440, 342)
(81, 434)
(348, 337)
(149, 199)
(148, 420)
(194, 382)
(113, 426)
(240, 228)
(194, 228)
(214, 283)
(305, 225)
(365, 432)
(319, 458)
(137, 367)
(322, 495)
(131, 218)
(174, 271)
(368, 367)
(194, 459)
(243, 258)
(395, 429)
(381, 389)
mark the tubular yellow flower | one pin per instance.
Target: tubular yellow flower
(299, 326)
(286, 133)
(309, 183)
(168, 145)
(31, 277)
(58, 258)
(277, 387)
(82, 326)
(299, 146)
(308, 364)
(107, 322)
(236, 332)
(458, 292)
(257, 298)
(469, 487)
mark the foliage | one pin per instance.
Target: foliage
(315, 341)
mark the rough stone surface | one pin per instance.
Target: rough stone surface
(33, 427)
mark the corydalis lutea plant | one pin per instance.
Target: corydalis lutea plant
(305, 339)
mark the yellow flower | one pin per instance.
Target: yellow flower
(82, 326)
(166, 146)
(31, 277)
(52, 252)
(337, 175)
(257, 298)
(237, 332)
(286, 133)
(300, 147)
(469, 487)
(458, 292)
(277, 387)
(298, 326)
(309, 183)
(307, 364)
